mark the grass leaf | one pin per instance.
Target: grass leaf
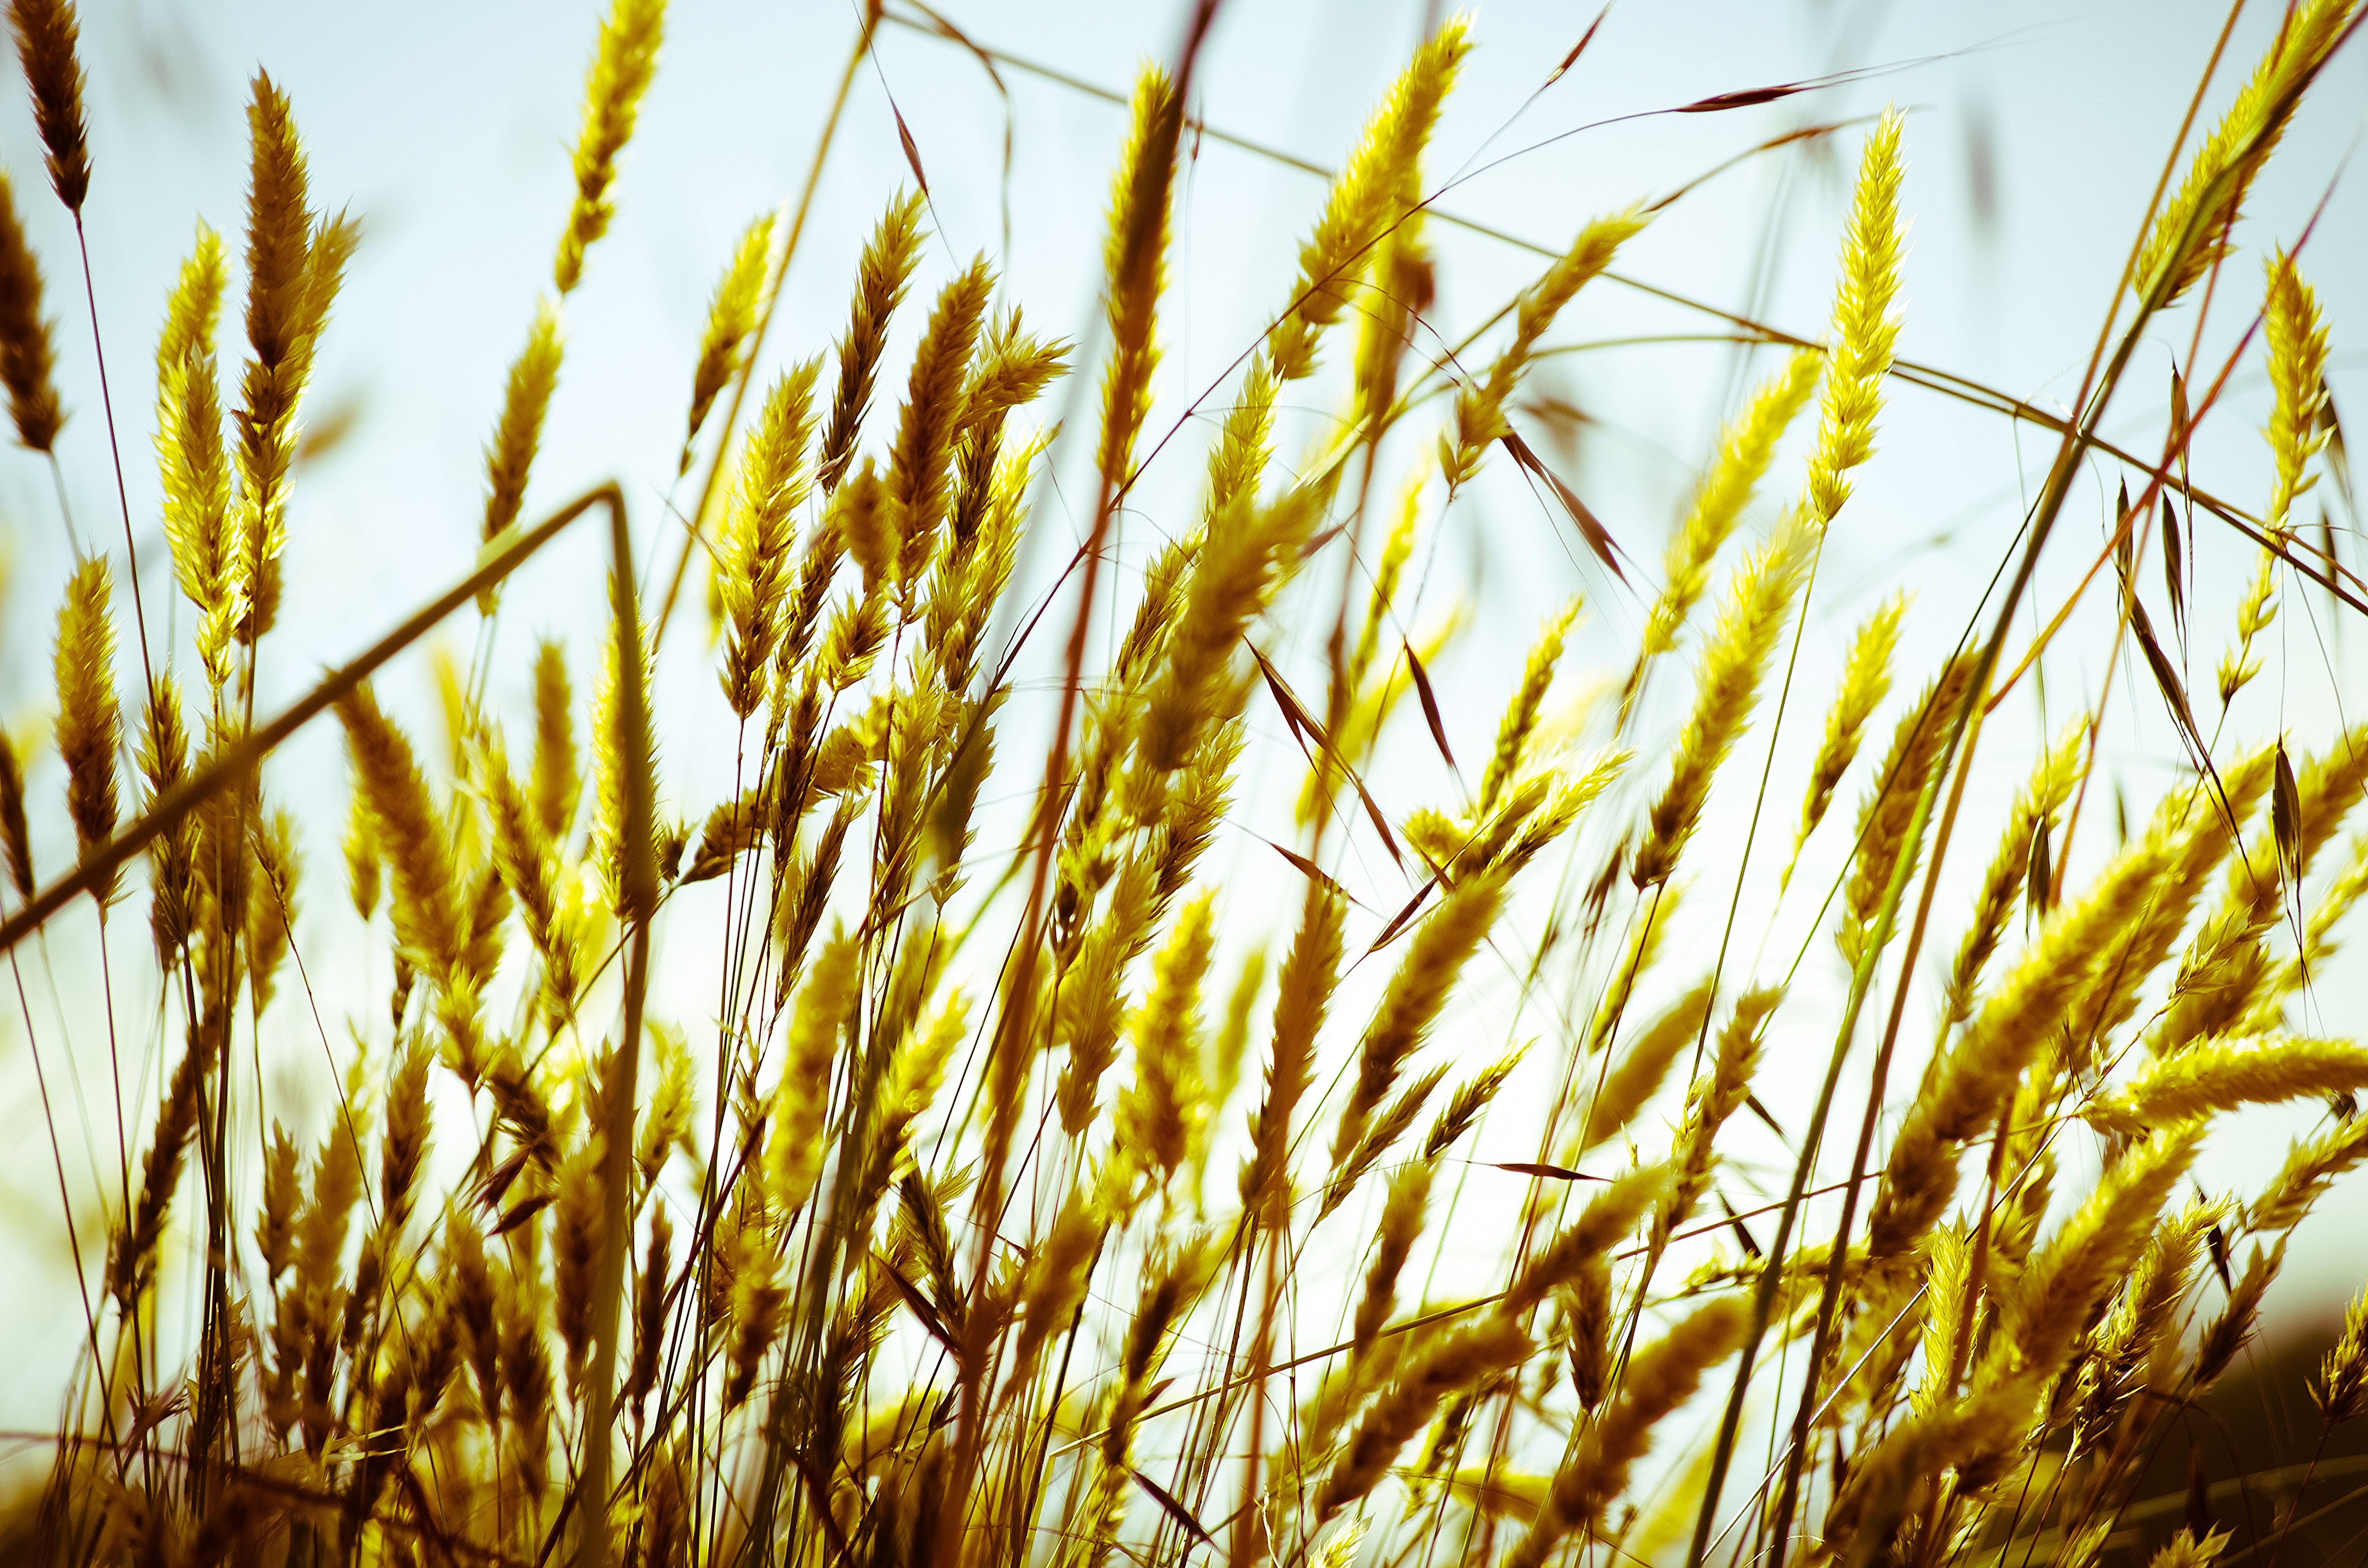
(1598, 537)
(1430, 702)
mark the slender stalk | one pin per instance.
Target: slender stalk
(616, 1113)
(114, 451)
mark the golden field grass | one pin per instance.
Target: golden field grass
(934, 1147)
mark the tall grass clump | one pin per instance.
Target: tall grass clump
(1038, 1187)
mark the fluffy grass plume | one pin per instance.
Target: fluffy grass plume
(2220, 1076)
(886, 270)
(1136, 257)
(774, 477)
(1366, 200)
(1728, 689)
(192, 458)
(1662, 1377)
(1480, 409)
(294, 265)
(2343, 1389)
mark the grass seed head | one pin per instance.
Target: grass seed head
(2342, 1391)
(731, 318)
(1865, 329)
(1661, 1377)
(26, 353)
(534, 375)
(89, 721)
(16, 836)
(893, 250)
(2296, 339)
(623, 66)
(1726, 690)
(46, 35)
(2192, 231)
(1866, 681)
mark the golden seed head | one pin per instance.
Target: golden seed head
(2342, 1391)
(1745, 451)
(730, 317)
(623, 66)
(889, 257)
(1866, 680)
(1726, 690)
(2296, 338)
(89, 722)
(1134, 256)
(411, 831)
(1865, 329)
(534, 375)
(2191, 230)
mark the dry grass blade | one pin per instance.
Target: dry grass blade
(2166, 678)
(1430, 702)
(1404, 915)
(1742, 97)
(1313, 873)
(1305, 728)
(1172, 1508)
(1544, 1172)
(1576, 50)
(922, 1309)
(2285, 817)
(1599, 538)
(912, 149)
